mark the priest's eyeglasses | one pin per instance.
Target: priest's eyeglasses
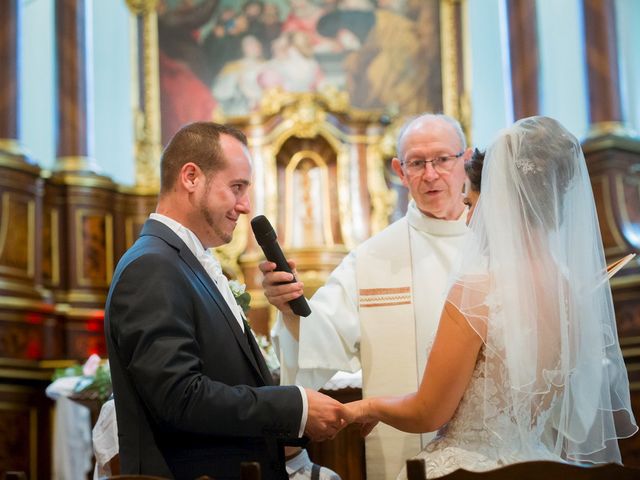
(441, 164)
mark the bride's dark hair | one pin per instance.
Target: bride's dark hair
(473, 169)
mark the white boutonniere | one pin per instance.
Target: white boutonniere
(243, 298)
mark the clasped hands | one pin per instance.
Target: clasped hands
(326, 416)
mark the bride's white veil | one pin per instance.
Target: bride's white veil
(532, 283)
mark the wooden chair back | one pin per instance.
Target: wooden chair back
(135, 477)
(14, 475)
(533, 471)
(250, 471)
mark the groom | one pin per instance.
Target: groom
(192, 392)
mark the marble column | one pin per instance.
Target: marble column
(10, 149)
(73, 113)
(523, 57)
(601, 47)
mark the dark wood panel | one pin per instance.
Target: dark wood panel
(25, 428)
(345, 453)
(20, 223)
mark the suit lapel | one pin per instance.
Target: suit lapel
(158, 229)
(253, 344)
(211, 287)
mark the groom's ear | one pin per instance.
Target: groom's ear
(468, 153)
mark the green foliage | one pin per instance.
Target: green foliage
(97, 386)
(243, 298)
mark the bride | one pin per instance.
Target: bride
(525, 364)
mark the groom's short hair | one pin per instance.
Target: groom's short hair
(199, 143)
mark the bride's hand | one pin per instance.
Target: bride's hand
(359, 412)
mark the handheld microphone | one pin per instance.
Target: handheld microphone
(268, 241)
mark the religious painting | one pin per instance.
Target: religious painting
(221, 56)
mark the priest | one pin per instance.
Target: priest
(381, 305)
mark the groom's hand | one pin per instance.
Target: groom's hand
(326, 416)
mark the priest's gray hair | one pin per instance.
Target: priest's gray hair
(429, 117)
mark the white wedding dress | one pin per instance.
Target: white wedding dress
(481, 435)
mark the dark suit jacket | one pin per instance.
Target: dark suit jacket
(193, 394)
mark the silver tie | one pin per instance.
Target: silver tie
(213, 268)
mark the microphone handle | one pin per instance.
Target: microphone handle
(273, 253)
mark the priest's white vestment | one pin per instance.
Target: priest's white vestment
(378, 311)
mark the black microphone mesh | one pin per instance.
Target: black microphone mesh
(262, 229)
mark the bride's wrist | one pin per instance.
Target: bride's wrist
(368, 410)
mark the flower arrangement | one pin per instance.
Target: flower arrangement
(93, 379)
(243, 298)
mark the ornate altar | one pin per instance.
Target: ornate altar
(319, 176)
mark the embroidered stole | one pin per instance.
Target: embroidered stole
(388, 340)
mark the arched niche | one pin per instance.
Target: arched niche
(319, 177)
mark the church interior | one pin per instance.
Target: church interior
(92, 90)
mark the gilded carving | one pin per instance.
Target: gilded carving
(147, 155)
(347, 177)
(147, 119)
(142, 7)
(310, 106)
(305, 116)
(613, 128)
(13, 156)
(10, 146)
(450, 55)
(383, 199)
(51, 247)
(77, 163)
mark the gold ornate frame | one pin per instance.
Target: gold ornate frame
(456, 70)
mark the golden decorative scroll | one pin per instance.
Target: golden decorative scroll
(146, 120)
